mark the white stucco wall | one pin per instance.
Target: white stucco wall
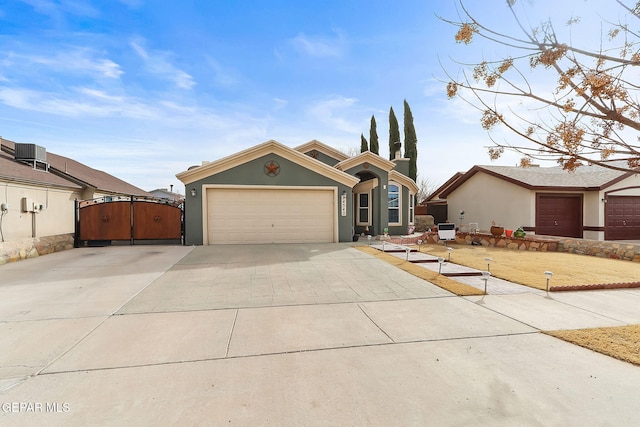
(485, 198)
(56, 217)
(626, 187)
(593, 214)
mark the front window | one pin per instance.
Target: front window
(363, 209)
(394, 204)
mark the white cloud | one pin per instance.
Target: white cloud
(158, 63)
(72, 61)
(320, 47)
(280, 103)
(333, 111)
(57, 9)
(221, 75)
(95, 104)
(133, 4)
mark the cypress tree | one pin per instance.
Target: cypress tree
(410, 142)
(373, 136)
(364, 145)
(394, 133)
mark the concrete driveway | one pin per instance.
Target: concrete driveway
(293, 335)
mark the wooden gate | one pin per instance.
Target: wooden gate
(100, 221)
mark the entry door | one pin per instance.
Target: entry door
(559, 215)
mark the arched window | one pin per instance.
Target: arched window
(394, 204)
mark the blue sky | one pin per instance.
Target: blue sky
(144, 89)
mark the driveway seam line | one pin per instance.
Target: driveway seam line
(280, 353)
(373, 321)
(233, 327)
(248, 307)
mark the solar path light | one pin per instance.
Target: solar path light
(548, 274)
(485, 277)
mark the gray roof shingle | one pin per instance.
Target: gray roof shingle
(584, 176)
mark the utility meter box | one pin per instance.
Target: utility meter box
(27, 204)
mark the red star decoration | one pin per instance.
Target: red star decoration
(272, 168)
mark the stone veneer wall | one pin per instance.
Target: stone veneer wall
(606, 249)
(30, 248)
(603, 249)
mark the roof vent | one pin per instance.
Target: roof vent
(31, 153)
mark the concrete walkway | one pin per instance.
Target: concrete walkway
(293, 335)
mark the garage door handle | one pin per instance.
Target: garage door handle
(556, 222)
(624, 222)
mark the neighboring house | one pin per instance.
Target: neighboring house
(592, 202)
(271, 193)
(163, 193)
(38, 190)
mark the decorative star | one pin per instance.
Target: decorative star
(272, 168)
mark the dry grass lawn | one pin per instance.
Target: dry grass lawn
(527, 268)
(621, 342)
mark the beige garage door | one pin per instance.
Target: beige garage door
(252, 215)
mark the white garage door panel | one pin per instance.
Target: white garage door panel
(242, 215)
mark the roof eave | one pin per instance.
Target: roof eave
(366, 157)
(323, 148)
(404, 180)
(271, 146)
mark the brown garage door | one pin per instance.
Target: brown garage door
(622, 218)
(559, 214)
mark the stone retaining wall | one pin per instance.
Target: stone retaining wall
(29, 248)
(603, 249)
(610, 249)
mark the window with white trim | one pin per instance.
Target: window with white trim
(364, 209)
(411, 208)
(394, 204)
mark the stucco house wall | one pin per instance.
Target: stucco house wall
(593, 215)
(477, 198)
(251, 173)
(52, 186)
(310, 170)
(514, 196)
(52, 219)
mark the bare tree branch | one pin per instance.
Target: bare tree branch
(591, 115)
